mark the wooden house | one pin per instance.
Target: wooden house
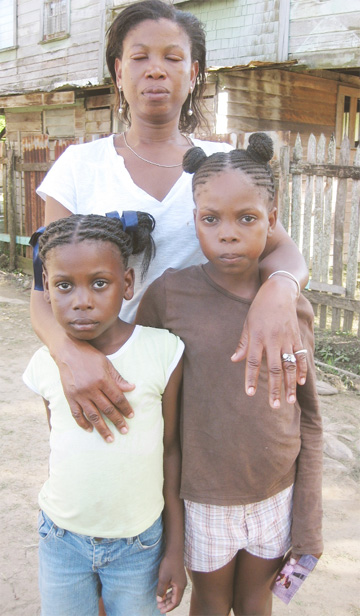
(276, 65)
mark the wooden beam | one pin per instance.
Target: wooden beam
(324, 299)
(38, 99)
(33, 166)
(339, 171)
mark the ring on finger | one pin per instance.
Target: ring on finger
(290, 357)
(301, 351)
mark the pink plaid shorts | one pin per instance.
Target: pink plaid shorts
(214, 534)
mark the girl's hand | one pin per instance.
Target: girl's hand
(272, 328)
(93, 387)
(294, 558)
(171, 585)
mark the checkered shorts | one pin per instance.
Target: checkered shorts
(214, 534)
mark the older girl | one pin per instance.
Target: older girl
(251, 476)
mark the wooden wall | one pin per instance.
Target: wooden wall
(325, 34)
(34, 65)
(237, 31)
(82, 115)
(281, 100)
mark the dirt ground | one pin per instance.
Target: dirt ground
(332, 590)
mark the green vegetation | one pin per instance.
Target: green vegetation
(338, 350)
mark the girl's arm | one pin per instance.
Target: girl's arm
(91, 384)
(172, 577)
(306, 528)
(272, 325)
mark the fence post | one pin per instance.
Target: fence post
(318, 210)
(11, 206)
(328, 195)
(309, 190)
(284, 198)
(351, 270)
(296, 194)
(339, 229)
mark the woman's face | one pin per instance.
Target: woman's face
(156, 72)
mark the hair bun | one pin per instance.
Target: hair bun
(193, 159)
(260, 148)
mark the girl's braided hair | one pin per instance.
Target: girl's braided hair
(154, 10)
(79, 228)
(254, 161)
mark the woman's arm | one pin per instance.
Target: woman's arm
(272, 325)
(172, 578)
(91, 384)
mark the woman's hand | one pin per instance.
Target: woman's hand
(272, 328)
(93, 387)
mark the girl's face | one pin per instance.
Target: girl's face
(156, 72)
(85, 283)
(232, 222)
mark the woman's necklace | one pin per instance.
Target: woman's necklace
(150, 161)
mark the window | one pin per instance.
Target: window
(56, 19)
(348, 115)
(7, 24)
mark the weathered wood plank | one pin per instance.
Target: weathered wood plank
(38, 99)
(284, 197)
(352, 262)
(315, 285)
(318, 211)
(32, 166)
(296, 195)
(309, 195)
(99, 101)
(328, 195)
(339, 229)
(326, 232)
(336, 302)
(329, 170)
(307, 113)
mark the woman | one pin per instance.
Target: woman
(156, 58)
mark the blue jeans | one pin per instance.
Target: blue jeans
(74, 569)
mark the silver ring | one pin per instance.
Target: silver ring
(301, 351)
(289, 357)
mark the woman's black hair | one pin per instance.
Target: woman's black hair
(254, 161)
(154, 10)
(79, 228)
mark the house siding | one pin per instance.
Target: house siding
(325, 34)
(35, 65)
(237, 31)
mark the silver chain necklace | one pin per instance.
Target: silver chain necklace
(150, 161)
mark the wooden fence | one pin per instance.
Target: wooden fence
(318, 202)
(319, 205)
(24, 209)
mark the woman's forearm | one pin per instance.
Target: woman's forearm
(91, 384)
(281, 253)
(44, 323)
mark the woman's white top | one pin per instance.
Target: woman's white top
(91, 178)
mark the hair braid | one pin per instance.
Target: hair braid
(78, 228)
(254, 161)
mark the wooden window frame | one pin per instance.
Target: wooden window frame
(14, 31)
(59, 33)
(354, 94)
